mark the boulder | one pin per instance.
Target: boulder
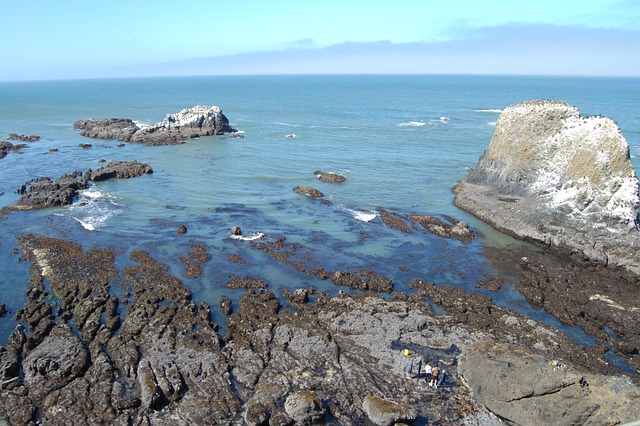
(304, 407)
(387, 413)
(554, 176)
(525, 388)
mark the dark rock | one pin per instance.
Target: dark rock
(23, 138)
(246, 282)
(56, 362)
(363, 280)
(308, 191)
(330, 177)
(182, 229)
(255, 415)
(226, 306)
(395, 220)
(236, 259)
(121, 129)
(236, 230)
(3, 310)
(120, 170)
(44, 193)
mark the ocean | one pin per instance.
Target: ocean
(401, 141)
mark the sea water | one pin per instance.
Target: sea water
(402, 142)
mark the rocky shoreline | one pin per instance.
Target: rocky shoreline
(108, 342)
(146, 353)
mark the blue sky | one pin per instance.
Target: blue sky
(44, 39)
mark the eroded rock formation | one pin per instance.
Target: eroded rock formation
(198, 121)
(554, 176)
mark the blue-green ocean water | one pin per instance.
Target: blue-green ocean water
(402, 142)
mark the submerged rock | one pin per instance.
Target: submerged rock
(200, 120)
(554, 176)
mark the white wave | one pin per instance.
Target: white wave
(445, 119)
(291, 136)
(363, 215)
(254, 236)
(491, 123)
(280, 123)
(488, 110)
(94, 208)
(86, 225)
(412, 124)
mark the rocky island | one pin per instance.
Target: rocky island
(198, 121)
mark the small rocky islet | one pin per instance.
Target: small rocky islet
(131, 347)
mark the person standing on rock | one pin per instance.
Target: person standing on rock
(419, 365)
(427, 373)
(435, 374)
(408, 369)
(443, 375)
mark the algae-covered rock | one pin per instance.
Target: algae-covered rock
(386, 413)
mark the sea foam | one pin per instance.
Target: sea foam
(364, 216)
(412, 124)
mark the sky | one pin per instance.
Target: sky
(45, 39)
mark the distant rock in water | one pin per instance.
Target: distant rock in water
(329, 177)
(554, 176)
(200, 120)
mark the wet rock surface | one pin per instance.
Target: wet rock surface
(130, 346)
(43, 192)
(308, 191)
(198, 121)
(330, 177)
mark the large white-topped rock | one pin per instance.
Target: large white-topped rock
(551, 175)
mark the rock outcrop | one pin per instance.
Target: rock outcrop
(528, 389)
(553, 176)
(43, 192)
(151, 355)
(200, 120)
